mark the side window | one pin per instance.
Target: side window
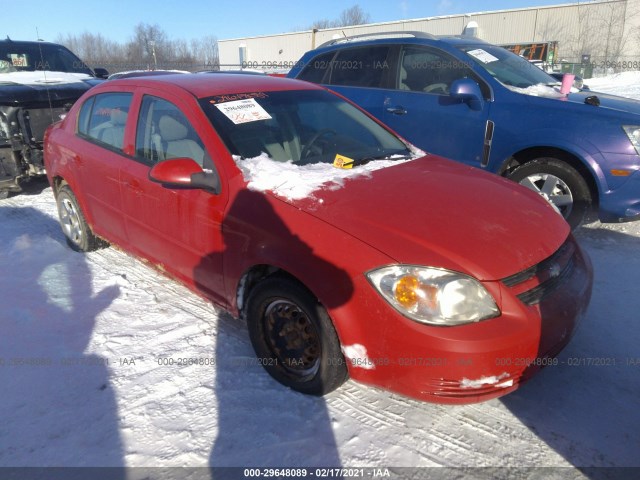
(164, 132)
(85, 114)
(315, 71)
(430, 71)
(103, 118)
(360, 67)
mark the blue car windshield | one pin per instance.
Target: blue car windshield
(304, 127)
(506, 67)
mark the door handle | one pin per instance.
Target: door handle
(397, 110)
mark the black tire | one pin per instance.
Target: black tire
(565, 181)
(77, 232)
(310, 361)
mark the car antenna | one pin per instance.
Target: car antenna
(44, 72)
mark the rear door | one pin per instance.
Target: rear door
(98, 158)
(178, 229)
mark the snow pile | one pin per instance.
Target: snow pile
(617, 80)
(294, 182)
(625, 84)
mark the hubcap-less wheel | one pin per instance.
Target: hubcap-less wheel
(292, 338)
(70, 221)
(553, 189)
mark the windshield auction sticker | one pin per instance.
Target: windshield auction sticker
(243, 111)
(482, 55)
(342, 162)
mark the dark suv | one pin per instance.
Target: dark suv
(480, 104)
(39, 82)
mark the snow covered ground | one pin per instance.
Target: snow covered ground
(90, 375)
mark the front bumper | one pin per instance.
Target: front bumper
(621, 204)
(474, 362)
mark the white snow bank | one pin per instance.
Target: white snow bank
(617, 80)
(295, 182)
(43, 77)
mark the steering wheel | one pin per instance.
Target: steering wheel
(436, 86)
(307, 149)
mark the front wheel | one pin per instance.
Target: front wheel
(294, 338)
(559, 184)
(74, 226)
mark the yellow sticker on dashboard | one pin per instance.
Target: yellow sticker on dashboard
(342, 162)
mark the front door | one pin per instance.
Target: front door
(178, 229)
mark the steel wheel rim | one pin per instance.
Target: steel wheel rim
(70, 220)
(553, 189)
(292, 338)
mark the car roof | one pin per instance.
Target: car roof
(202, 86)
(8, 41)
(382, 38)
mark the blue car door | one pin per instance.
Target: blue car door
(421, 110)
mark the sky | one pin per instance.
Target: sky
(189, 19)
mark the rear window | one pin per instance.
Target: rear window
(103, 118)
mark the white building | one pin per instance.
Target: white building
(607, 31)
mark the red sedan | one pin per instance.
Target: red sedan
(349, 252)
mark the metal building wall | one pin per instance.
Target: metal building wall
(608, 30)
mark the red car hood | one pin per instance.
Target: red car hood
(439, 213)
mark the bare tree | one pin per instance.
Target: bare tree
(351, 16)
(205, 51)
(354, 16)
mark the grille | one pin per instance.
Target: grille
(546, 276)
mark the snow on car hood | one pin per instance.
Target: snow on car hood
(43, 78)
(295, 182)
(436, 212)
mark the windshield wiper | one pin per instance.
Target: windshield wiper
(365, 160)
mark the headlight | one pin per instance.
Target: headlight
(434, 296)
(633, 132)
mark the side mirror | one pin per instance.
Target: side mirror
(101, 73)
(184, 173)
(468, 91)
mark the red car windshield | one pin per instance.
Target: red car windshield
(305, 126)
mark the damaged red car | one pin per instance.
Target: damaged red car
(349, 252)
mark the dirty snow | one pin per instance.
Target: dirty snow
(294, 182)
(104, 362)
